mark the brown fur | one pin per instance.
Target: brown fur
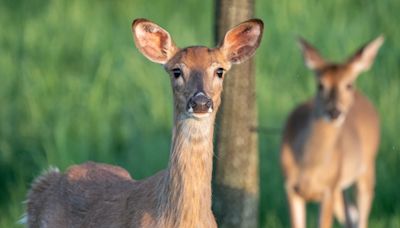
(321, 155)
(101, 195)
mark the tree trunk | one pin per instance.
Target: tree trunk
(237, 174)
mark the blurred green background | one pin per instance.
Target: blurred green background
(73, 87)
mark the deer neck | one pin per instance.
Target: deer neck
(186, 197)
(322, 136)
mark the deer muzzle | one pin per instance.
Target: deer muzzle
(199, 103)
(333, 113)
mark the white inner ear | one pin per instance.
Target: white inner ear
(310, 63)
(240, 43)
(154, 42)
(250, 37)
(359, 66)
(364, 62)
(143, 31)
(312, 58)
(254, 34)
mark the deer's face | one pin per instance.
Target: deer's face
(335, 89)
(197, 73)
(335, 92)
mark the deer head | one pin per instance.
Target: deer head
(197, 72)
(335, 90)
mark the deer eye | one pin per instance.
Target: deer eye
(219, 72)
(349, 86)
(320, 87)
(176, 72)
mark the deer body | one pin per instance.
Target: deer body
(330, 142)
(101, 195)
(176, 197)
(330, 155)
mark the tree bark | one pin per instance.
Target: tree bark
(237, 175)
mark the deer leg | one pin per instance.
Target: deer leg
(326, 210)
(345, 212)
(297, 210)
(339, 206)
(365, 194)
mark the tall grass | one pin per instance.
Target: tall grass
(73, 88)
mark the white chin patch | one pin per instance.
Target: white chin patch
(339, 120)
(201, 115)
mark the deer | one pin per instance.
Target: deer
(330, 142)
(101, 195)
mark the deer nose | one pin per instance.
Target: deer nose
(200, 103)
(333, 113)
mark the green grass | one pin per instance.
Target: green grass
(74, 88)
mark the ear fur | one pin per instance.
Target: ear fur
(363, 59)
(153, 42)
(241, 42)
(313, 60)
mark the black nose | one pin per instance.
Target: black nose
(333, 113)
(200, 103)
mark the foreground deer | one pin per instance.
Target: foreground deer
(100, 195)
(330, 142)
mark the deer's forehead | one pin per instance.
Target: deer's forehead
(197, 58)
(334, 75)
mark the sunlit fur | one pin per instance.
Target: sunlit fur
(101, 195)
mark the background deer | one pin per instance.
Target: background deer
(330, 142)
(100, 195)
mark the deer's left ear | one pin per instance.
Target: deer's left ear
(365, 56)
(241, 42)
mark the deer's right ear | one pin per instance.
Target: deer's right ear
(153, 41)
(312, 58)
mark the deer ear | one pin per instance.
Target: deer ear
(153, 41)
(241, 42)
(365, 56)
(312, 58)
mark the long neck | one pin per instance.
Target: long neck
(321, 139)
(186, 197)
